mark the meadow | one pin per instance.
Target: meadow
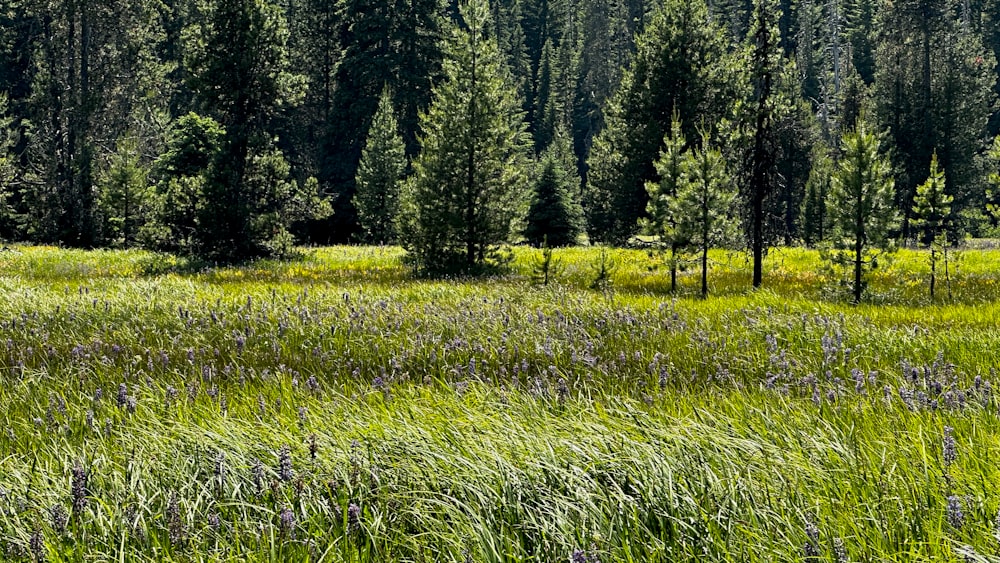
(334, 408)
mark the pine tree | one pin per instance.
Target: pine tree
(193, 146)
(682, 65)
(124, 195)
(380, 174)
(8, 169)
(861, 206)
(815, 217)
(468, 183)
(661, 209)
(765, 66)
(243, 77)
(385, 43)
(704, 204)
(931, 211)
(555, 217)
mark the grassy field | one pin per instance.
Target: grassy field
(333, 408)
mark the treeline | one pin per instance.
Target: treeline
(229, 128)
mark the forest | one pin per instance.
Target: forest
(235, 129)
(508, 281)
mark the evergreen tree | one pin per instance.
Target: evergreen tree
(468, 183)
(243, 78)
(555, 217)
(861, 206)
(815, 217)
(704, 204)
(385, 43)
(681, 64)
(661, 209)
(931, 210)
(8, 169)
(124, 196)
(765, 66)
(380, 173)
(193, 145)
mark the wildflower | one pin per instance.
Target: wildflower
(122, 395)
(839, 551)
(948, 446)
(78, 489)
(955, 516)
(285, 464)
(175, 526)
(59, 518)
(287, 518)
(353, 517)
(36, 545)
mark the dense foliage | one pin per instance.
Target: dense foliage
(96, 90)
(336, 409)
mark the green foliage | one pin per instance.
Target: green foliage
(663, 221)
(546, 266)
(468, 183)
(555, 217)
(681, 64)
(242, 75)
(705, 203)
(124, 194)
(860, 206)
(193, 146)
(468, 438)
(931, 215)
(8, 168)
(603, 268)
(395, 44)
(380, 174)
(815, 217)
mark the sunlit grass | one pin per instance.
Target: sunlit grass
(493, 419)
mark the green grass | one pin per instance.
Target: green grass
(493, 419)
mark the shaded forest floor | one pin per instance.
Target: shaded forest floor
(332, 408)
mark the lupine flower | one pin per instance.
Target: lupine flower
(122, 395)
(36, 545)
(285, 464)
(78, 489)
(59, 518)
(353, 517)
(948, 446)
(287, 518)
(175, 526)
(839, 551)
(811, 549)
(955, 516)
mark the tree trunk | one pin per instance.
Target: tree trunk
(933, 268)
(859, 246)
(673, 268)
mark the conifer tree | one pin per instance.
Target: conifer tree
(662, 220)
(380, 173)
(7, 169)
(704, 204)
(815, 217)
(861, 206)
(468, 184)
(931, 210)
(555, 217)
(682, 65)
(123, 194)
(765, 66)
(243, 77)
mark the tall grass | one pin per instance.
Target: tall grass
(332, 408)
